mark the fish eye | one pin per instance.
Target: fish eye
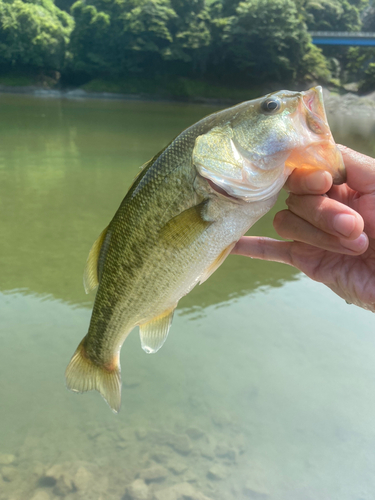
(270, 105)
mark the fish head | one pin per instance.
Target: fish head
(255, 147)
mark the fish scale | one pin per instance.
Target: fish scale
(182, 216)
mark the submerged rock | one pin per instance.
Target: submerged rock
(177, 468)
(217, 472)
(64, 485)
(138, 490)
(195, 433)
(255, 489)
(154, 473)
(83, 479)
(181, 491)
(223, 451)
(180, 443)
(141, 433)
(160, 457)
(9, 473)
(7, 459)
(41, 495)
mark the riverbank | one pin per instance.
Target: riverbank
(177, 89)
(189, 91)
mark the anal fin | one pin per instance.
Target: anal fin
(154, 333)
(216, 263)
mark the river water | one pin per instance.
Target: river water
(265, 387)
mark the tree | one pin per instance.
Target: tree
(368, 83)
(33, 34)
(331, 15)
(266, 41)
(368, 20)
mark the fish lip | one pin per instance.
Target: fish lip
(312, 106)
(218, 189)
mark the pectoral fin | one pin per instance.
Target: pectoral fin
(95, 261)
(186, 227)
(154, 333)
(216, 263)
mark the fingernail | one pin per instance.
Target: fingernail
(316, 182)
(344, 224)
(355, 245)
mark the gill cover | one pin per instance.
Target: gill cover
(251, 156)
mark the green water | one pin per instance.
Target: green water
(265, 387)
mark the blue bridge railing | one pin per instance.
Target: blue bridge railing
(343, 38)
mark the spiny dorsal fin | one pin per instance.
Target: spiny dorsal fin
(187, 226)
(216, 263)
(154, 333)
(95, 262)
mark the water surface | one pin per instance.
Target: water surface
(264, 388)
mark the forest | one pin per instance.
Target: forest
(181, 47)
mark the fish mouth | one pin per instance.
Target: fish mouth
(219, 189)
(313, 108)
(322, 153)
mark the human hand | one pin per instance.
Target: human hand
(333, 235)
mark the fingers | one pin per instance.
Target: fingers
(305, 181)
(290, 226)
(327, 215)
(264, 249)
(360, 170)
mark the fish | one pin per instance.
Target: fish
(182, 216)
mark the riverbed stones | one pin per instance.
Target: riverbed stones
(160, 456)
(177, 468)
(217, 472)
(138, 490)
(255, 489)
(156, 473)
(7, 459)
(41, 495)
(195, 433)
(141, 433)
(9, 473)
(64, 485)
(223, 451)
(83, 479)
(180, 443)
(180, 491)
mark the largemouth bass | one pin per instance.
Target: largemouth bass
(183, 215)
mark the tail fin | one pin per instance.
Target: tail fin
(83, 375)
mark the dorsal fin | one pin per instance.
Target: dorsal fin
(95, 261)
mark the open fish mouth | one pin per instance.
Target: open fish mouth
(322, 153)
(316, 119)
(219, 189)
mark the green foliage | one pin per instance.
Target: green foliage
(266, 40)
(368, 19)
(33, 34)
(185, 44)
(368, 83)
(331, 15)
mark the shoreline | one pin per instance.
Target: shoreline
(335, 104)
(78, 93)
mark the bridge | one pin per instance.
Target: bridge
(343, 38)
